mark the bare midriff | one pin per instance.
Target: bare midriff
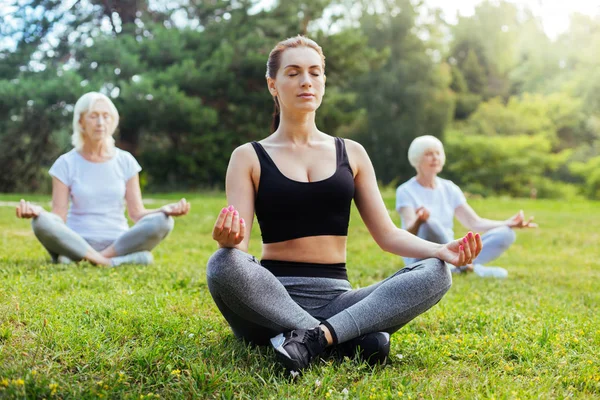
(312, 249)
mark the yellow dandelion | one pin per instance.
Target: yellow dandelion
(19, 382)
(33, 372)
(105, 387)
(400, 394)
(53, 388)
(4, 382)
(176, 372)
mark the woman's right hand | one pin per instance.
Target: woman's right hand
(422, 214)
(229, 229)
(27, 210)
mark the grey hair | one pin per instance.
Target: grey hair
(420, 145)
(85, 104)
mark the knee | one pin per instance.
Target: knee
(507, 236)
(440, 275)
(42, 224)
(162, 224)
(225, 264)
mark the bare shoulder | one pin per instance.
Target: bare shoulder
(244, 154)
(244, 160)
(357, 155)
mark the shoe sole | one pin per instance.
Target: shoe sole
(282, 355)
(379, 357)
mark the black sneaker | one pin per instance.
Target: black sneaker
(373, 348)
(298, 348)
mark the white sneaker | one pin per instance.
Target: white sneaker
(490, 272)
(141, 258)
(63, 260)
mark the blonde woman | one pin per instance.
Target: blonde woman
(97, 178)
(427, 205)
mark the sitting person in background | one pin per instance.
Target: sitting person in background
(96, 177)
(427, 205)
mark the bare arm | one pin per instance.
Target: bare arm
(234, 225)
(136, 208)
(390, 238)
(469, 218)
(60, 198)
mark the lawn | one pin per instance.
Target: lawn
(78, 331)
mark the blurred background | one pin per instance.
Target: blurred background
(511, 88)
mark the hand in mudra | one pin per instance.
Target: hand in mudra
(422, 214)
(182, 207)
(229, 229)
(461, 251)
(518, 221)
(27, 210)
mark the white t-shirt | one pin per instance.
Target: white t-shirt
(441, 201)
(97, 193)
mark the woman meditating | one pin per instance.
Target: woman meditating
(427, 205)
(300, 182)
(97, 178)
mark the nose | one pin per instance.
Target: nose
(101, 120)
(305, 81)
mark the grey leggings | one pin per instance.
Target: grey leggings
(257, 305)
(59, 239)
(495, 241)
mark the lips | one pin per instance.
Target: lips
(306, 95)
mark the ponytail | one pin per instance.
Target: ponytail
(276, 116)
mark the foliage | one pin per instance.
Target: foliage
(590, 171)
(188, 79)
(509, 165)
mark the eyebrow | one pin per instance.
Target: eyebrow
(299, 67)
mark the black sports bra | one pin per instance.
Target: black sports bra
(287, 209)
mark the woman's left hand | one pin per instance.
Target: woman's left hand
(182, 207)
(462, 251)
(518, 221)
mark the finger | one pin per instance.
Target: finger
(467, 250)
(528, 223)
(228, 222)
(461, 256)
(18, 211)
(242, 232)
(479, 243)
(218, 228)
(472, 244)
(28, 208)
(235, 224)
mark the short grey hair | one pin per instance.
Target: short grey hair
(420, 145)
(85, 104)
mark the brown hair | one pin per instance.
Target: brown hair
(274, 63)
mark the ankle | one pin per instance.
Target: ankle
(328, 334)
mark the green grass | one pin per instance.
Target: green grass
(84, 332)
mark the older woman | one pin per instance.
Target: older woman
(427, 205)
(96, 178)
